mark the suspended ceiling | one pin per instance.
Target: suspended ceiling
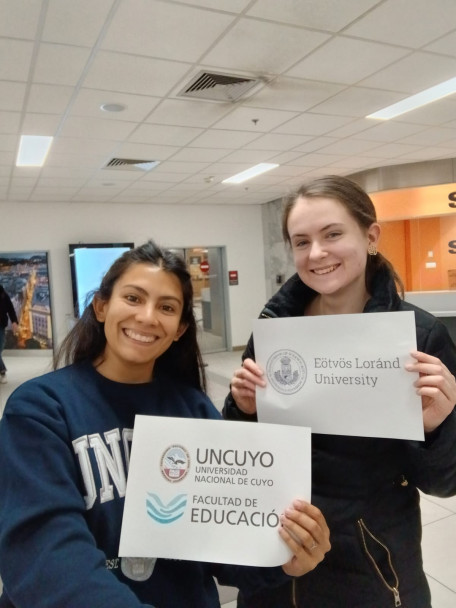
(322, 66)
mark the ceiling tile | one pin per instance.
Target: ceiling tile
(40, 124)
(357, 102)
(19, 54)
(408, 23)
(9, 122)
(19, 18)
(445, 45)
(163, 30)
(214, 138)
(356, 59)
(349, 147)
(312, 13)
(252, 45)
(48, 99)
(133, 74)
(312, 124)
(277, 141)
(80, 145)
(150, 151)
(252, 157)
(414, 73)
(180, 167)
(194, 113)
(88, 103)
(78, 23)
(385, 131)
(201, 154)
(60, 64)
(97, 128)
(438, 113)
(243, 119)
(315, 143)
(431, 137)
(11, 95)
(293, 94)
(164, 134)
(231, 6)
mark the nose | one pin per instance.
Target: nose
(147, 313)
(316, 251)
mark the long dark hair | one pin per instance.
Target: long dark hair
(87, 340)
(358, 204)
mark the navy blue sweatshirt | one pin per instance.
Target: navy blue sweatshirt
(65, 441)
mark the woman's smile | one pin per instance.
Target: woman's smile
(325, 270)
(139, 337)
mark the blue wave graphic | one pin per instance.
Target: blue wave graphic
(165, 513)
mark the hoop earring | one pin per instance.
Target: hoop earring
(372, 249)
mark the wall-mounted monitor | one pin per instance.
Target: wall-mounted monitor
(89, 262)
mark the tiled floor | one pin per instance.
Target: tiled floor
(439, 515)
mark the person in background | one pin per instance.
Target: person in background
(6, 312)
(65, 441)
(367, 487)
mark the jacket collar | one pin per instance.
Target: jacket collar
(294, 296)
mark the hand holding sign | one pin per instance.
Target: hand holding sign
(305, 531)
(437, 387)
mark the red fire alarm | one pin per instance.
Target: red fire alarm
(233, 277)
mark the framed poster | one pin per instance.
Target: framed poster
(25, 278)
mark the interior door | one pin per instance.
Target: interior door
(208, 271)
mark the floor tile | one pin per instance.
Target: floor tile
(442, 597)
(431, 511)
(439, 551)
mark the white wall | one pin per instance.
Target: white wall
(52, 226)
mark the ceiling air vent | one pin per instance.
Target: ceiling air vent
(211, 86)
(131, 164)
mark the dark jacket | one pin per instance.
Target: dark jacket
(6, 309)
(367, 488)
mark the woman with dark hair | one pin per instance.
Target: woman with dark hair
(87, 340)
(366, 487)
(65, 442)
(7, 312)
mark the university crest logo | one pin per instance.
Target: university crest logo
(175, 463)
(286, 371)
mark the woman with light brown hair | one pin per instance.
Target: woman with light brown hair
(366, 487)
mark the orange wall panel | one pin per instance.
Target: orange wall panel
(392, 246)
(417, 226)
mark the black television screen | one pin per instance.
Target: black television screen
(89, 262)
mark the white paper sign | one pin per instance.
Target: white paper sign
(213, 490)
(340, 374)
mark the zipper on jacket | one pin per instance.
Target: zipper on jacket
(293, 594)
(394, 590)
(267, 314)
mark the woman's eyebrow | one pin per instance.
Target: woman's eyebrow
(327, 227)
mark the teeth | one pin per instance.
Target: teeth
(325, 270)
(139, 337)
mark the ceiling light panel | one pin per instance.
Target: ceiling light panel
(33, 150)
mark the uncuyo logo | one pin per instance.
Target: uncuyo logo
(286, 371)
(165, 513)
(174, 463)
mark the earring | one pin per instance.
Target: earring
(372, 249)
